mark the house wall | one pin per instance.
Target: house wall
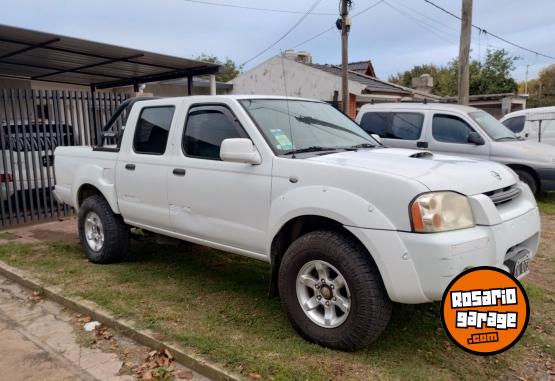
(301, 80)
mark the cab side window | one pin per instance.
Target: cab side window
(375, 123)
(393, 125)
(151, 133)
(450, 129)
(205, 129)
(515, 124)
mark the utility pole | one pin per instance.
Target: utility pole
(464, 52)
(345, 27)
(526, 81)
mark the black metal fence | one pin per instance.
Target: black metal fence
(34, 123)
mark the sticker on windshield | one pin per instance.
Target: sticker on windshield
(282, 139)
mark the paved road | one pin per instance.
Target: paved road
(40, 340)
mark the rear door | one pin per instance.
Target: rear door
(142, 171)
(450, 135)
(402, 129)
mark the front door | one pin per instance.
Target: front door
(450, 135)
(223, 202)
(142, 170)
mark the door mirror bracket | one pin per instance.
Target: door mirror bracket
(475, 138)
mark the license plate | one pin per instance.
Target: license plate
(521, 266)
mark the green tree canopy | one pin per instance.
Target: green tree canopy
(493, 76)
(229, 70)
(547, 80)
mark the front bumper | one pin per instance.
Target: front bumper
(417, 268)
(547, 178)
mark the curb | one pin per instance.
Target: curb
(126, 328)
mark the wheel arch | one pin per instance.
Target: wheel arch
(297, 227)
(529, 170)
(88, 189)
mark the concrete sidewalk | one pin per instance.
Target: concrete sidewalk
(40, 340)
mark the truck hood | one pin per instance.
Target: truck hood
(436, 172)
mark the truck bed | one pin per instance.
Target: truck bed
(96, 165)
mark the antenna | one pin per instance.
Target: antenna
(287, 103)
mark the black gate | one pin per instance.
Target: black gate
(34, 123)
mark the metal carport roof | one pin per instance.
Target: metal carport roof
(40, 56)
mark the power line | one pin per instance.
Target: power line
(256, 8)
(482, 30)
(431, 28)
(286, 33)
(333, 27)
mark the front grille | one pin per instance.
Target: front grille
(504, 195)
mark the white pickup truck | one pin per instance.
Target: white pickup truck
(347, 225)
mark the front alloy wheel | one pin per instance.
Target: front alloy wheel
(323, 294)
(332, 291)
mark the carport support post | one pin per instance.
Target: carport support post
(189, 85)
(93, 111)
(212, 84)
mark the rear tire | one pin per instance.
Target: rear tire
(344, 262)
(527, 178)
(103, 234)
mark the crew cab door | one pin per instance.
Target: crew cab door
(142, 170)
(399, 129)
(449, 134)
(222, 202)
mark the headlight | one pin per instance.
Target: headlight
(440, 211)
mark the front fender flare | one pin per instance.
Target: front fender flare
(347, 208)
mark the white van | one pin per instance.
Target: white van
(537, 124)
(461, 131)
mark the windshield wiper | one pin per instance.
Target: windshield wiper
(311, 149)
(363, 145)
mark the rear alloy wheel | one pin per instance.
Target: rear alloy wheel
(94, 231)
(332, 291)
(103, 234)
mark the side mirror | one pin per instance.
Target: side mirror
(377, 137)
(475, 138)
(239, 151)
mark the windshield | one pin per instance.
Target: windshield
(494, 128)
(291, 126)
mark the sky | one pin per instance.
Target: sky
(395, 34)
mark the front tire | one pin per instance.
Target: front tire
(103, 234)
(332, 291)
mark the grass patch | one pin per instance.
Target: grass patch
(546, 202)
(215, 303)
(8, 236)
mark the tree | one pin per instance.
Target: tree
(491, 77)
(547, 80)
(229, 69)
